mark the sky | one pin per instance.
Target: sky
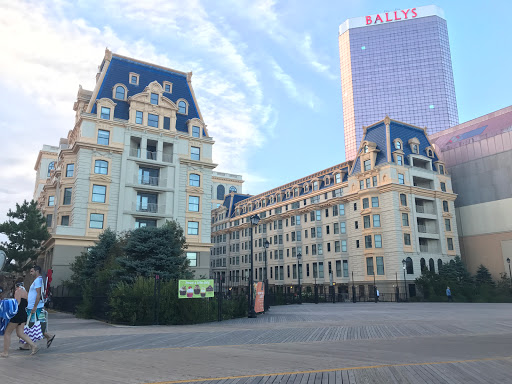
(265, 73)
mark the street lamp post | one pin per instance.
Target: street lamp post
(509, 274)
(299, 256)
(251, 313)
(404, 263)
(266, 244)
(374, 287)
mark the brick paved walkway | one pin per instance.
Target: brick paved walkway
(308, 344)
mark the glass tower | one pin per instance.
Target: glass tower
(397, 64)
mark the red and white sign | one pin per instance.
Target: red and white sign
(403, 14)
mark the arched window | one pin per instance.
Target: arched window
(120, 92)
(51, 167)
(398, 144)
(408, 266)
(415, 148)
(439, 265)
(423, 266)
(221, 191)
(431, 265)
(365, 149)
(182, 107)
(194, 180)
(232, 189)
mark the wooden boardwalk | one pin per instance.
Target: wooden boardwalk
(496, 370)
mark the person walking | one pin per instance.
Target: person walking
(18, 321)
(449, 294)
(378, 294)
(35, 304)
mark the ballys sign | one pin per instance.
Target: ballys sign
(404, 14)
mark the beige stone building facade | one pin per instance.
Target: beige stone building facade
(352, 223)
(138, 154)
(222, 184)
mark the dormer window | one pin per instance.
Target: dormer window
(306, 187)
(399, 160)
(120, 92)
(296, 192)
(154, 98)
(134, 78)
(415, 149)
(430, 153)
(105, 113)
(51, 167)
(315, 185)
(367, 165)
(167, 87)
(196, 131)
(366, 149)
(182, 107)
(441, 169)
(398, 145)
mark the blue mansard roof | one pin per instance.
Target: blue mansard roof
(119, 71)
(377, 134)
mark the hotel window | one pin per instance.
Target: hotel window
(194, 180)
(96, 221)
(368, 241)
(49, 219)
(357, 243)
(338, 268)
(336, 228)
(70, 170)
(101, 167)
(407, 239)
(195, 153)
(182, 107)
(315, 185)
(336, 246)
(378, 241)
(192, 258)
(398, 145)
(400, 178)
(403, 200)
(64, 221)
(152, 120)
(399, 160)
(343, 245)
(415, 149)
(443, 186)
(367, 165)
(67, 196)
(51, 201)
(120, 92)
(193, 228)
(369, 266)
(365, 149)
(320, 269)
(342, 209)
(376, 220)
(380, 265)
(338, 178)
(313, 249)
(430, 153)
(445, 206)
(441, 169)
(154, 99)
(142, 223)
(375, 202)
(138, 117)
(320, 249)
(356, 224)
(345, 268)
(355, 206)
(105, 113)
(51, 167)
(99, 193)
(196, 131)
(448, 225)
(450, 243)
(368, 185)
(193, 203)
(405, 219)
(366, 221)
(103, 137)
(374, 180)
(167, 88)
(366, 203)
(361, 184)
(343, 227)
(134, 79)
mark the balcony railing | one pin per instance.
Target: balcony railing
(148, 207)
(149, 180)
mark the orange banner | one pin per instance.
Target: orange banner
(259, 297)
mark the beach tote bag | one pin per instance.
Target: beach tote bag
(35, 333)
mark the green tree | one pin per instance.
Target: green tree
(149, 251)
(483, 277)
(26, 232)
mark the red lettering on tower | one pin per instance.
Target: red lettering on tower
(405, 13)
(387, 17)
(396, 17)
(414, 14)
(368, 20)
(378, 18)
